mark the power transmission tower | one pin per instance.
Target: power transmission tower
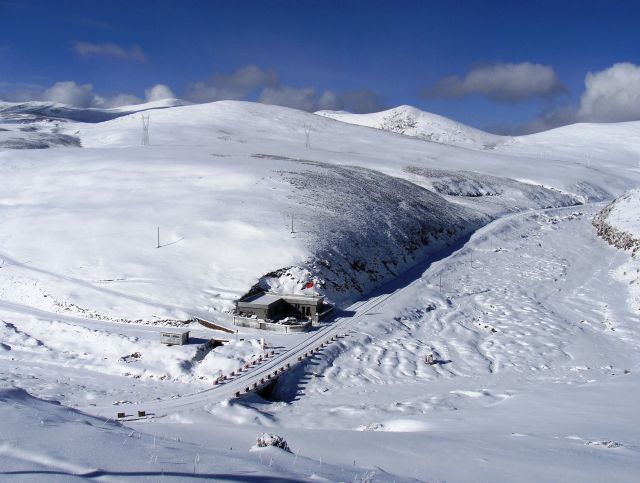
(307, 135)
(145, 129)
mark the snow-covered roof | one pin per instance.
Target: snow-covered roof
(262, 299)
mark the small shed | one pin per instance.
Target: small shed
(174, 338)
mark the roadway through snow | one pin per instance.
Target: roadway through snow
(253, 378)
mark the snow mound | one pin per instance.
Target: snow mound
(397, 426)
(411, 121)
(265, 440)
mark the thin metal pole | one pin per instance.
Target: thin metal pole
(158, 238)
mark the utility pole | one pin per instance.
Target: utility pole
(292, 224)
(158, 238)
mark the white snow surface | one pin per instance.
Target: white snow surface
(479, 256)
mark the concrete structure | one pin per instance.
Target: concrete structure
(272, 307)
(174, 338)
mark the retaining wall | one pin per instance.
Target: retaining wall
(261, 324)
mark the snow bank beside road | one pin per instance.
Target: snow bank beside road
(619, 222)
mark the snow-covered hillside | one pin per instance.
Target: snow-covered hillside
(536, 354)
(38, 125)
(105, 242)
(600, 148)
(222, 181)
(35, 110)
(411, 121)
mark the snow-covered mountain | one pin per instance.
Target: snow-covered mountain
(37, 124)
(592, 144)
(368, 204)
(42, 110)
(485, 259)
(411, 121)
(222, 181)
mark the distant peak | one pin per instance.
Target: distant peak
(414, 122)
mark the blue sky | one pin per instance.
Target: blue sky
(489, 64)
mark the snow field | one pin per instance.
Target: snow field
(525, 340)
(535, 342)
(59, 351)
(113, 452)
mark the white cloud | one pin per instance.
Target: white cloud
(68, 92)
(329, 101)
(108, 49)
(611, 95)
(238, 85)
(247, 83)
(158, 92)
(504, 82)
(305, 99)
(83, 96)
(252, 82)
(115, 101)
(362, 101)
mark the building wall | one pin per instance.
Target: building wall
(301, 309)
